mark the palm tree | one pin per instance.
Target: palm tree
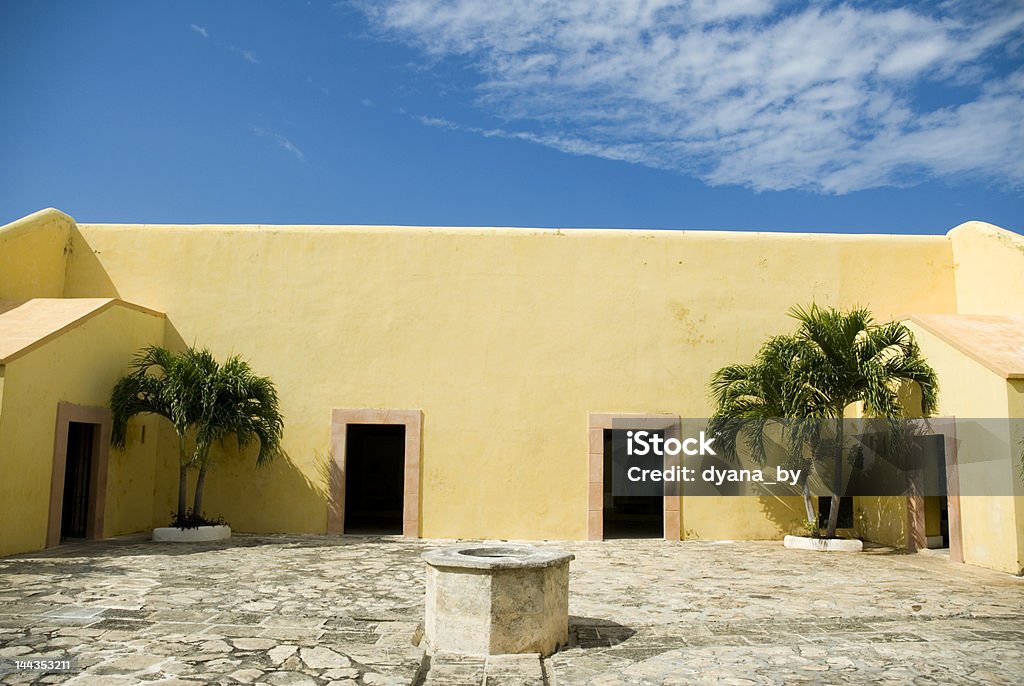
(241, 404)
(752, 398)
(835, 359)
(205, 402)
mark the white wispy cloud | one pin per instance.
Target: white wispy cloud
(769, 94)
(246, 55)
(281, 141)
(311, 82)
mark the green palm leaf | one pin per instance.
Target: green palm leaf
(205, 401)
(834, 359)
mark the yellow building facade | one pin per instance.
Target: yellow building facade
(502, 354)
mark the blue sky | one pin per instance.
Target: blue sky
(728, 114)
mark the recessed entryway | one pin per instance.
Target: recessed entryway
(77, 475)
(374, 478)
(933, 512)
(78, 486)
(375, 472)
(628, 517)
(936, 500)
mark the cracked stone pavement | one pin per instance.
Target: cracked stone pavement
(278, 610)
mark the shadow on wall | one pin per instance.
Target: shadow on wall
(785, 512)
(330, 475)
(246, 495)
(165, 477)
(86, 276)
(236, 488)
(881, 519)
(877, 519)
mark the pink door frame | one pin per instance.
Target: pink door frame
(596, 425)
(413, 421)
(916, 531)
(101, 417)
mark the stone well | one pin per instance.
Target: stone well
(497, 599)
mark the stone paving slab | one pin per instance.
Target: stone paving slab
(284, 610)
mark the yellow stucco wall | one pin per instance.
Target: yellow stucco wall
(989, 265)
(79, 366)
(1016, 410)
(968, 390)
(505, 339)
(716, 518)
(33, 255)
(989, 275)
(881, 519)
(933, 515)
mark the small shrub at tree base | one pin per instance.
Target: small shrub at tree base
(191, 520)
(812, 530)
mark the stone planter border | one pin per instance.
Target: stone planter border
(200, 535)
(835, 545)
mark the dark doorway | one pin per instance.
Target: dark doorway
(78, 468)
(936, 491)
(628, 516)
(374, 478)
(845, 518)
(938, 447)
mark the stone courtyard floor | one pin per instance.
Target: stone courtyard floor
(316, 610)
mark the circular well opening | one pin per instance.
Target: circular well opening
(490, 552)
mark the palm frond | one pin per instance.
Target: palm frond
(834, 358)
(201, 398)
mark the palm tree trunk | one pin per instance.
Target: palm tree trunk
(833, 517)
(197, 503)
(182, 480)
(837, 481)
(808, 505)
